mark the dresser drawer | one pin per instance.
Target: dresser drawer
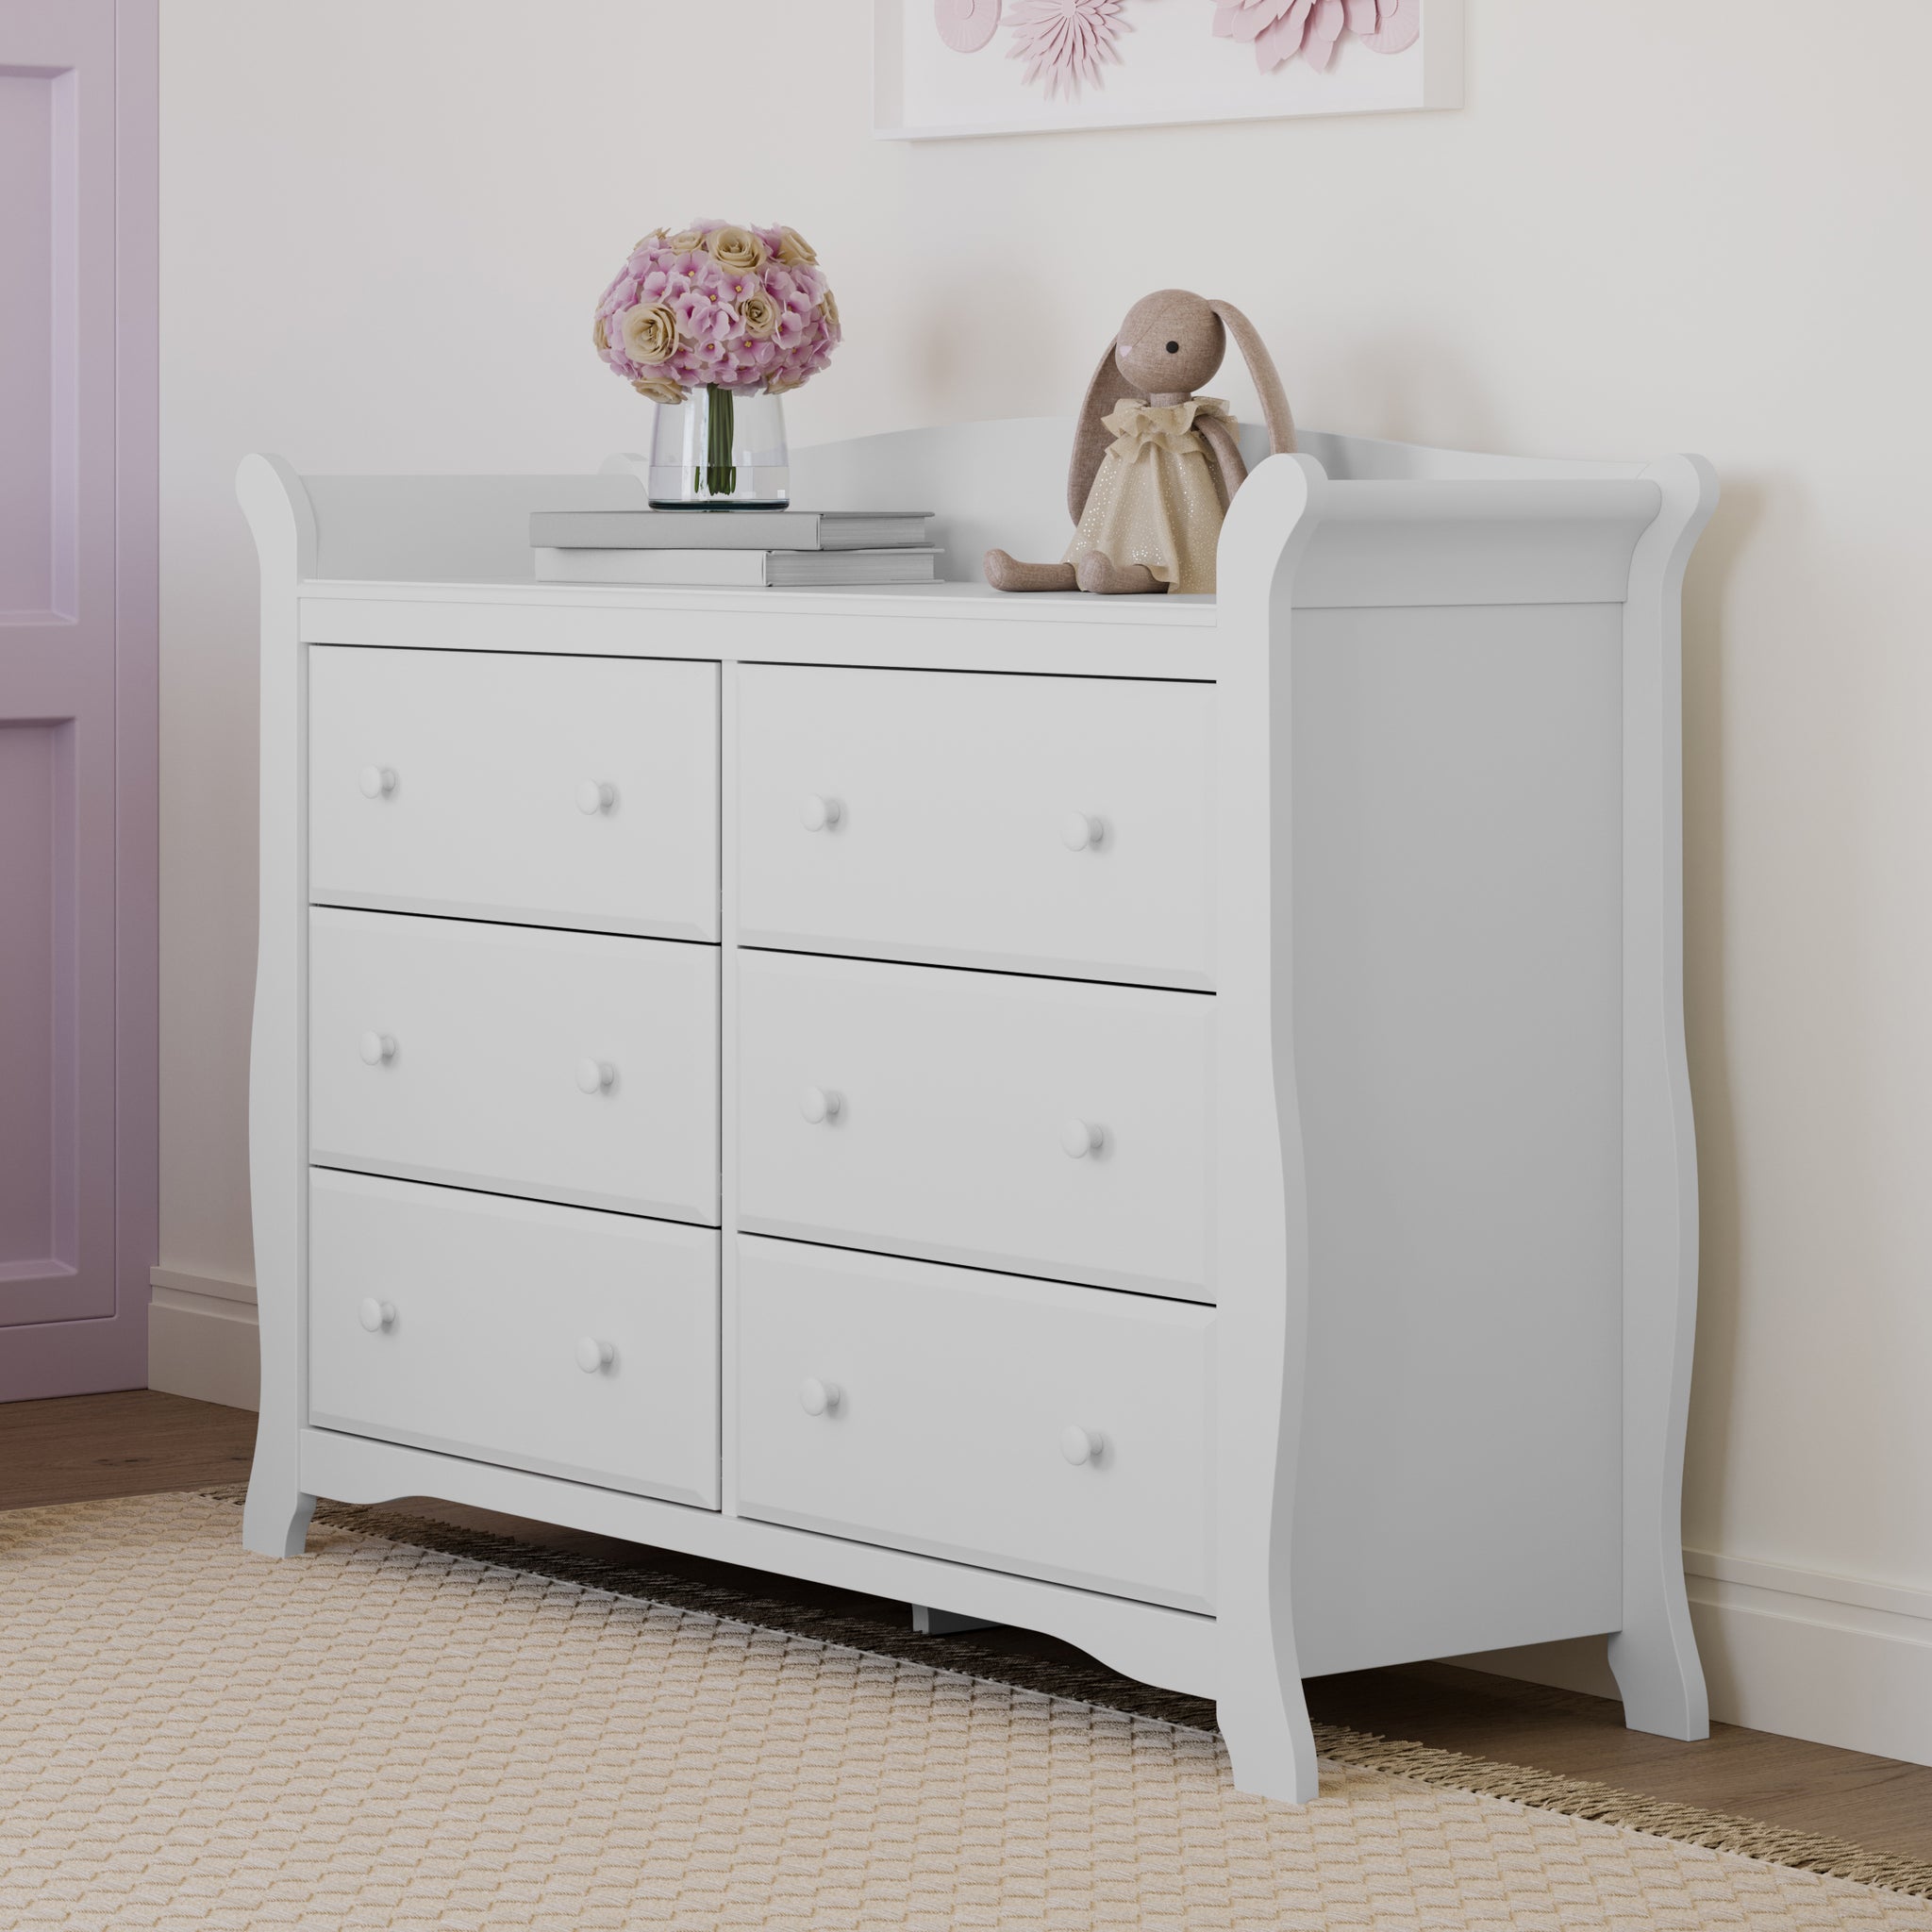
(444, 1050)
(956, 796)
(947, 1104)
(481, 1327)
(486, 757)
(960, 1400)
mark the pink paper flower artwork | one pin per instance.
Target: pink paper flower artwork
(1398, 24)
(1280, 29)
(966, 26)
(1065, 42)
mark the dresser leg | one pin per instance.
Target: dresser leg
(1269, 1742)
(1658, 1668)
(275, 1520)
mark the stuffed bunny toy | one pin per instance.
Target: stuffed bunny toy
(1149, 503)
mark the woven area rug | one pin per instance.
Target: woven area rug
(391, 1735)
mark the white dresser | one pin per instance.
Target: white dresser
(1160, 1120)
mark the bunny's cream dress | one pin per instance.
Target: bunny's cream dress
(1154, 499)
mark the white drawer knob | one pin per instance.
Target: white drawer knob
(1080, 1445)
(1082, 1138)
(378, 1049)
(1078, 832)
(375, 1316)
(377, 781)
(596, 1076)
(818, 1104)
(821, 814)
(819, 1398)
(595, 795)
(593, 1355)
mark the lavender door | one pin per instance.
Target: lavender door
(77, 699)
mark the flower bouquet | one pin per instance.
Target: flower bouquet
(727, 312)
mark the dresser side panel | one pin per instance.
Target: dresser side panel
(1457, 1013)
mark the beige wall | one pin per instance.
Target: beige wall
(1654, 226)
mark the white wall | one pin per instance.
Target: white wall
(1654, 226)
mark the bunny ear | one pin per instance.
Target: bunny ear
(1274, 410)
(1091, 436)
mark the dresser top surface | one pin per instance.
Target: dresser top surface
(929, 626)
(971, 602)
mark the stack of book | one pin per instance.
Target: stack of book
(780, 548)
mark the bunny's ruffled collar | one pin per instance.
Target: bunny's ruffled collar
(1140, 427)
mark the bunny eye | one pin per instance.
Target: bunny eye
(1173, 348)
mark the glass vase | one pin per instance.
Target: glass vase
(720, 450)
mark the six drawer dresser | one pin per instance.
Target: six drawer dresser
(1162, 1120)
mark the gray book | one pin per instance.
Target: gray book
(756, 569)
(727, 529)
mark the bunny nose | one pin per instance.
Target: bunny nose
(1173, 348)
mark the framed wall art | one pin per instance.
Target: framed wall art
(972, 67)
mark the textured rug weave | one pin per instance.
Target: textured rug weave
(383, 1735)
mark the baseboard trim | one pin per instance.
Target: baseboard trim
(1893, 1600)
(220, 1288)
(1835, 1660)
(202, 1337)
(1839, 1661)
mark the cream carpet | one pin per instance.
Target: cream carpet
(382, 1735)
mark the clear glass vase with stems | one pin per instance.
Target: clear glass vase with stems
(720, 449)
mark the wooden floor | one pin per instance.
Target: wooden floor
(87, 1446)
(132, 1443)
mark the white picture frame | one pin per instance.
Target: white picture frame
(1171, 70)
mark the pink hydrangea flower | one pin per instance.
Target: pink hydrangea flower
(702, 320)
(789, 289)
(662, 285)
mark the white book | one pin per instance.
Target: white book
(727, 529)
(758, 569)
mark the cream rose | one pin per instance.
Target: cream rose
(650, 333)
(830, 307)
(660, 389)
(686, 240)
(598, 340)
(793, 248)
(759, 314)
(737, 248)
